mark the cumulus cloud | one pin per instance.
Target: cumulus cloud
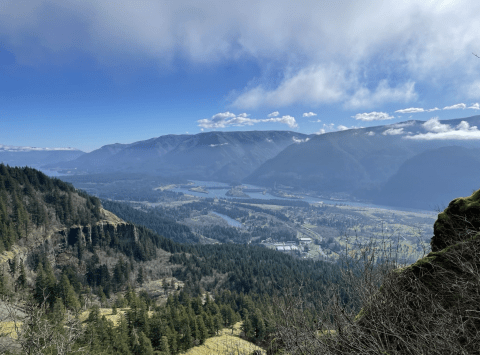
(439, 131)
(393, 131)
(434, 125)
(411, 110)
(321, 131)
(309, 114)
(371, 133)
(455, 107)
(273, 114)
(226, 119)
(342, 128)
(372, 116)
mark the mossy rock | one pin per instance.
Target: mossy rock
(459, 221)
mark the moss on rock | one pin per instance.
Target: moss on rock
(458, 222)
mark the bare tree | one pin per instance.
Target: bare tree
(430, 307)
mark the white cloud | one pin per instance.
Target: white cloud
(225, 119)
(288, 120)
(434, 125)
(312, 85)
(218, 145)
(316, 121)
(309, 114)
(411, 110)
(364, 97)
(372, 116)
(438, 131)
(433, 109)
(273, 114)
(455, 107)
(393, 131)
(342, 128)
(298, 140)
(475, 106)
(326, 53)
(321, 131)
(371, 133)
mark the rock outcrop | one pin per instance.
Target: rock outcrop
(433, 305)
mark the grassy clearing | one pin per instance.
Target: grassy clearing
(225, 343)
(107, 312)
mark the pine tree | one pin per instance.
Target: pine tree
(202, 330)
(143, 346)
(163, 347)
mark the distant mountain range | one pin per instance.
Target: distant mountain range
(36, 157)
(384, 164)
(221, 156)
(371, 163)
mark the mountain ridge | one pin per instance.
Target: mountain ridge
(224, 156)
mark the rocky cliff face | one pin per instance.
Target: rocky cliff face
(126, 233)
(56, 243)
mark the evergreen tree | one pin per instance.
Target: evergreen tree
(163, 347)
(143, 346)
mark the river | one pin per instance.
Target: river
(218, 192)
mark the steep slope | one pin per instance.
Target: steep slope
(339, 161)
(224, 156)
(432, 178)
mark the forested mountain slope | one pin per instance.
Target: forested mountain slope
(432, 178)
(62, 247)
(355, 161)
(221, 156)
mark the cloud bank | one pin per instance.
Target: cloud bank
(439, 131)
(324, 52)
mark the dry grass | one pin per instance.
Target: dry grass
(107, 312)
(8, 329)
(226, 343)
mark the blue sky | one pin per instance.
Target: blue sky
(88, 73)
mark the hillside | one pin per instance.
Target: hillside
(63, 253)
(221, 156)
(429, 307)
(432, 178)
(356, 161)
